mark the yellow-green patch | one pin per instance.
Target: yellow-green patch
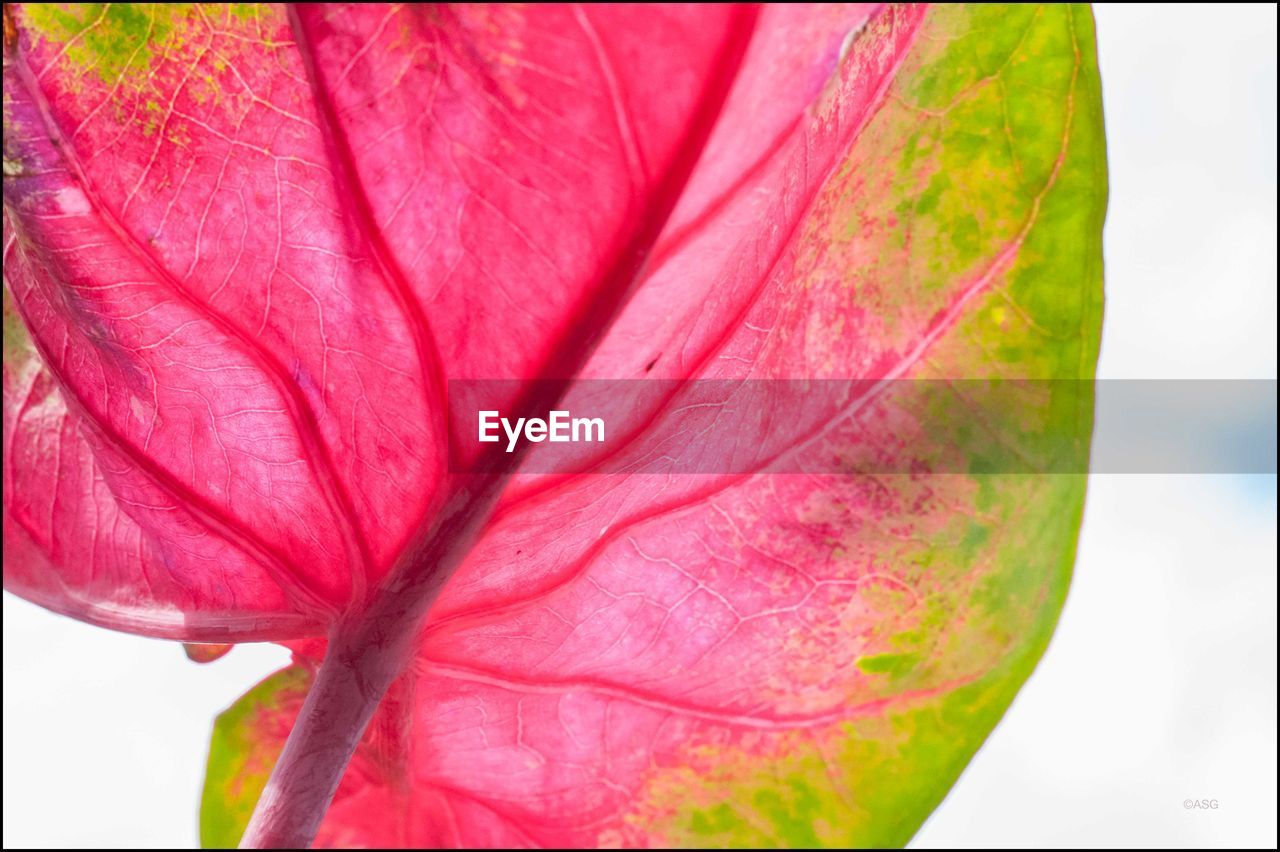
(108, 38)
(247, 739)
(117, 42)
(18, 349)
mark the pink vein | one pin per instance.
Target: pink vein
(300, 414)
(210, 516)
(622, 121)
(877, 101)
(690, 709)
(339, 146)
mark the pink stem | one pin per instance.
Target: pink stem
(366, 654)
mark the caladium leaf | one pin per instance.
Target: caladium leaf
(249, 249)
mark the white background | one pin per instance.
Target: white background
(1160, 684)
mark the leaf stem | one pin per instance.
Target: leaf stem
(366, 654)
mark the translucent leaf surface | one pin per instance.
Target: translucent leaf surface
(248, 249)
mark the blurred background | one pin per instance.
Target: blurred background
(1160, 684)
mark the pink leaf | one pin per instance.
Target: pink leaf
(248, 250)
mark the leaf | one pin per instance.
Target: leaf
(323, 222)
(247, 739)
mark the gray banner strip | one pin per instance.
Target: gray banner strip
(714, 426)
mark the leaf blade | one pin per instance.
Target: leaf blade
(600, 722)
